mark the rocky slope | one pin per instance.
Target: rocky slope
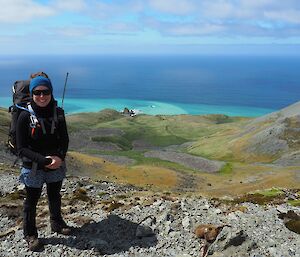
(273, 138)
(277, 135)
(121, 220)
(289, 111)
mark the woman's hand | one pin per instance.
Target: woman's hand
(55, 164)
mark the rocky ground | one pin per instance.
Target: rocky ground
(121, 220)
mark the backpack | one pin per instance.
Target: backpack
(21, 96)
(21, 101)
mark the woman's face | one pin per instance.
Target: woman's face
(41, 96)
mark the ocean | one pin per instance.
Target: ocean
(232, 85)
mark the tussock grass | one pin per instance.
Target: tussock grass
(101, 194)
(89, 120)
(271, 192)
(221, 118)
(154, 177)
(111, 205)
(247, 178)
(5, 119)
(226, 169)
(259, 199)
(80, 194)
(141, 175)
(122, 142)
(295, 203)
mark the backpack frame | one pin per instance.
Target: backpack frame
(21, 97)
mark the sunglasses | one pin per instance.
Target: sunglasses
(39, 92)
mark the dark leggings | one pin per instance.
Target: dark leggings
(30, 203)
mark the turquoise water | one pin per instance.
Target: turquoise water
(233, 85)
(77, 105)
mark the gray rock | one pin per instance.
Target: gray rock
(145, 228)
(282, 209)
(231, 243)
(168, 228)
(186, 223)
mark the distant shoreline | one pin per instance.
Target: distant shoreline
(78, 105)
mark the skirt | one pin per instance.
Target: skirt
(38, 178)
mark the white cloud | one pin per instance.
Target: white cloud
(72, 32)
(267, 10)
(180, 7)
(184, 28)
(290, 16)
(18, 11)
(194, 29)
(109, 10)
(230, 18)
(254, 4)
(217, 9)
(122, 27)
(70, 5)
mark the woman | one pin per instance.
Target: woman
(42, 142)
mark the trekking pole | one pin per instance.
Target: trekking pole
(62, 102)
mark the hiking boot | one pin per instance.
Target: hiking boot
(34, 243)
(60, 227)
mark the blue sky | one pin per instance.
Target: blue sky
(149, 26)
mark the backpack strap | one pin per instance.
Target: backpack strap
(55, 113)
(34, 120)
(41, 120)
(34, 168)
(54, 119)
(25, 109)
(33, 123)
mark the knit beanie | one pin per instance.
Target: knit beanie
(40, 81)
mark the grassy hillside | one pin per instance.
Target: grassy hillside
(140, 175)
(110, 146)
(4, 121)
(81, 121)
(157, 130)
(215, 137)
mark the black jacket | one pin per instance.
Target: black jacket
(34, 145)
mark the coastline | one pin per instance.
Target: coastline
(79, 105)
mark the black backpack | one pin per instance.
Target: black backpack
(21, 96)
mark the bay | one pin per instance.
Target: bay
(233, 85)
